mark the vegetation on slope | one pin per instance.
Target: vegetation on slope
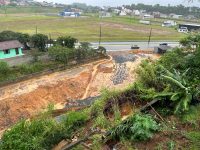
(172, 122)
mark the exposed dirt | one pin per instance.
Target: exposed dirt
(25, 99)
(25, 105)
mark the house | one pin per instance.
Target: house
(70, 13)
(188, 27)
(116, 11)
(175, 16)
(169, 23)
(163, 15)
(9, 49)
(136, 12)
(4, 2)
(156, 14)
(122, 13)
(104, 14)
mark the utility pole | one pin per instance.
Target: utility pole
(149, 37)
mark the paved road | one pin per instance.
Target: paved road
(115, 46)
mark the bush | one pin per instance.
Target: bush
(39, 41)
(4, 68)
(136, 128)
(43, 132)
(75, 119)
(30, 68)
(35, 135)
(174, 59)
(148, 75)
(67, 41)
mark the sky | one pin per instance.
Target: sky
(122, 2)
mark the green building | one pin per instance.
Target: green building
(9, 49)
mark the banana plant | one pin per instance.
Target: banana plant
(180, 92)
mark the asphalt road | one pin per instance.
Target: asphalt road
(116, 46)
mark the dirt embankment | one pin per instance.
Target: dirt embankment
(25, 99)
(23, 106)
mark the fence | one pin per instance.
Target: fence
(49, 71)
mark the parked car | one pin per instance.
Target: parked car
(135, 47)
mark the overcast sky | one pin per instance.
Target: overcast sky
(121, 2)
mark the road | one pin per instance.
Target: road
(115, 46)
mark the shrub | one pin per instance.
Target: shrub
(39, 41)
(43, 132)
(38, 134)
(136, 128)
(67, 41)
(74, 119)
(4, 68)
(148, 75)
(30, 68)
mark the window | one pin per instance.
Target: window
(17, 51)
(7, 51)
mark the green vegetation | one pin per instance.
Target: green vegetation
(87, 28)
(28, 10)
(39, 41)
(136, 128)
(61, 54)
(172, 83)
(42, 133)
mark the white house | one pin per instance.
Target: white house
(104, 14)
(136, 12)
(122, 13)
(163, 15)
(177, 16)
(169, 23)
(116, 11)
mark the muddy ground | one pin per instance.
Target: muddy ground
(25, 99)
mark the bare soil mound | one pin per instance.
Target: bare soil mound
(23, 106)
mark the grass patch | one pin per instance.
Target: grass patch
(87, 29)
(194, 137)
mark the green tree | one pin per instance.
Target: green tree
(39, 41)
(10, 35)
(61, 54)
(67, 41)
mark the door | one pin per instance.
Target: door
(17, 51)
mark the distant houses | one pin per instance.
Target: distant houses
(103, 14)
(71, 13)
(9, 49)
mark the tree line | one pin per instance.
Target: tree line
(62, 49)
